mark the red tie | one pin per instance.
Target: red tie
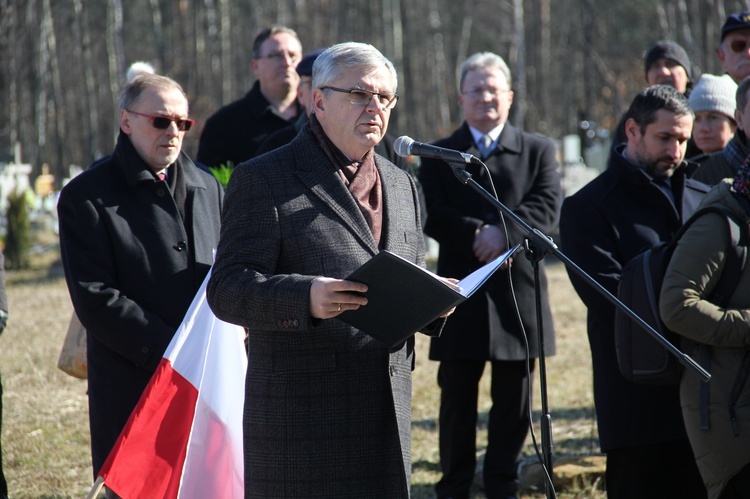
(162, 176)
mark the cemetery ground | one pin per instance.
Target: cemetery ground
(45, 440)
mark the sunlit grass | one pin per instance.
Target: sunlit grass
(45, 414)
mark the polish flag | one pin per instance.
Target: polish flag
(184, 438)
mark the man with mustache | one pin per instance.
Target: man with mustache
(137, 234)
(642, 198)
(734, 47)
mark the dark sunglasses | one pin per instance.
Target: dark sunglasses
(739, 46)
(162, 122)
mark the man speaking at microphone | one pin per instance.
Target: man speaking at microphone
(524, 170)
(327, 411)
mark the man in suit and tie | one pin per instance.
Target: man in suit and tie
(524, 169)
(327, 410)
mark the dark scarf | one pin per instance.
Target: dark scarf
(741, 182)
(360, 177)
(733, 151)
(176, 183)
(131, 160)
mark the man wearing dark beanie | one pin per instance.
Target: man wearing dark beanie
(667, 63)
(734, 49)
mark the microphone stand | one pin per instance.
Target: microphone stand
(537, 246)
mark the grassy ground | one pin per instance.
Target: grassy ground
(45, 425)
(570, 399)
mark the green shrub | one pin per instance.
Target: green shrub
(18, 237)
(223, 172)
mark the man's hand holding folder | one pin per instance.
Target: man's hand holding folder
(403, 298)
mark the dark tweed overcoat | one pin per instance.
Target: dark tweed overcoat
(133, 266)
(327, 408)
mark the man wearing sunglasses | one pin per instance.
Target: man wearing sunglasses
(137, 235)
(234, 132)
(328, 407)
(734, 49)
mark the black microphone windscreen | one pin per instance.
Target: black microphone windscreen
(402, 146)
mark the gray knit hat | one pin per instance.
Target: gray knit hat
(714, 93)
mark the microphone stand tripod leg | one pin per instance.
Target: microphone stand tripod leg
(545, 423)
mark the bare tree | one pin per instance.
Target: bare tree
(518, 57)
(64, 60)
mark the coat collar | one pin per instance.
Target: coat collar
(639, 180)
(258, 106)
(509, 140)
(315, 170)
(136, 170)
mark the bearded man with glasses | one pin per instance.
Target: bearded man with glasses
(137, 235)
(328, 407)
(234, 132)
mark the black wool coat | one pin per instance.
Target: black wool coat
(133, 264)
(235, 131)
(525, 172)
(602, 226)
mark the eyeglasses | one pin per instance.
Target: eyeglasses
(360, 97)
(479, 92)
(162, 122)
(281, 56)
(739, 46)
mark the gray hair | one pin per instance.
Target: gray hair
(135, 87)
(482, 60)
(338, 59)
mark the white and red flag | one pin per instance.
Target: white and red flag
(184, 438)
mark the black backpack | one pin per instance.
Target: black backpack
(641, 358)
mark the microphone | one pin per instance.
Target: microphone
(406, 146)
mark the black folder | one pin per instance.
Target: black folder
(403, 298)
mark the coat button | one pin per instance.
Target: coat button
(145, 349)
(161, 192)
(295, 323)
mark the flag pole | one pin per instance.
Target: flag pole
(98, 485)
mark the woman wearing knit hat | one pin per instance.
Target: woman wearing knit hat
(713, 101)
